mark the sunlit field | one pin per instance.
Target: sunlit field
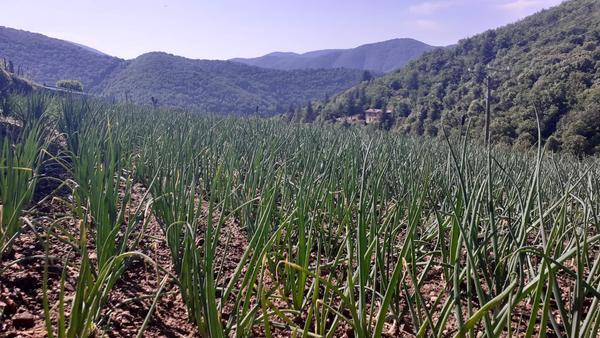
(125, 220)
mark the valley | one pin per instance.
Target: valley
(394, 189)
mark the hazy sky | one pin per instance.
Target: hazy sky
(222, 29)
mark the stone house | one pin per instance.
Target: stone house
(375, 115)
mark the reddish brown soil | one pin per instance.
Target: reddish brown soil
(21, 282)
(21, 309)
(21, 297)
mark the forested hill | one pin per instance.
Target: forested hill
(224, 86)
(206, 85)
(47, 60)
(379, 57)
(553, 59)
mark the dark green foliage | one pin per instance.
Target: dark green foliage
(582, 130)
(73, 85)
(47, 60)
(223, 86)
(10, 83)
(310, 113)
(5, 80)
(554, 60)
(216, 86)
(380, 57)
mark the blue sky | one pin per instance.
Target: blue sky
(222, 29)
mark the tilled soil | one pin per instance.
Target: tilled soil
(21, 289)
(22, 272)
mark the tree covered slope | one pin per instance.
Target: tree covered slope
(47, 60)
(379, 57)
(224, 86)
(553, 62)
(216, 86)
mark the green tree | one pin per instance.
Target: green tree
(309, 115)
(553, 59)
(5, 80)
(73, 85)
(387, 121)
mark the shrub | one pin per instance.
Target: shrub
(74, 85)
(5, 80)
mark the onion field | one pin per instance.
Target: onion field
(121, 220)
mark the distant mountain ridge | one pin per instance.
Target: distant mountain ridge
(88, 48)
(380, 57)
(205, 85)
(223, 86)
